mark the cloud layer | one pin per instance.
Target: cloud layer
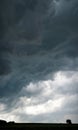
(38, 47)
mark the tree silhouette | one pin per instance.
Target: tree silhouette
(68, 121)
(2, 122)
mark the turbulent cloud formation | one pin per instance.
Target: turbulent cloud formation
(39, 60)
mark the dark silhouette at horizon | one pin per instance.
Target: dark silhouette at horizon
(16, 126)
(68, 121)
(3, 122)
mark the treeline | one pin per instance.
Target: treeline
(3, 122)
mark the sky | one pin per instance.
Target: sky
(39, 60)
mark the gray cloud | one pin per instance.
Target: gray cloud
(37, 38)
(47, 105)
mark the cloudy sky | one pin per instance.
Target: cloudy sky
(39, 60)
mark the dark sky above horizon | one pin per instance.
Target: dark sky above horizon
(39, 60)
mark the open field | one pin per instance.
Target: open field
(49, 126)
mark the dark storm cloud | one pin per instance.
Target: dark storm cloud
(22, 19)
(35, 40)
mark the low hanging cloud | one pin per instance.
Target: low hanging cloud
(38, 47)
